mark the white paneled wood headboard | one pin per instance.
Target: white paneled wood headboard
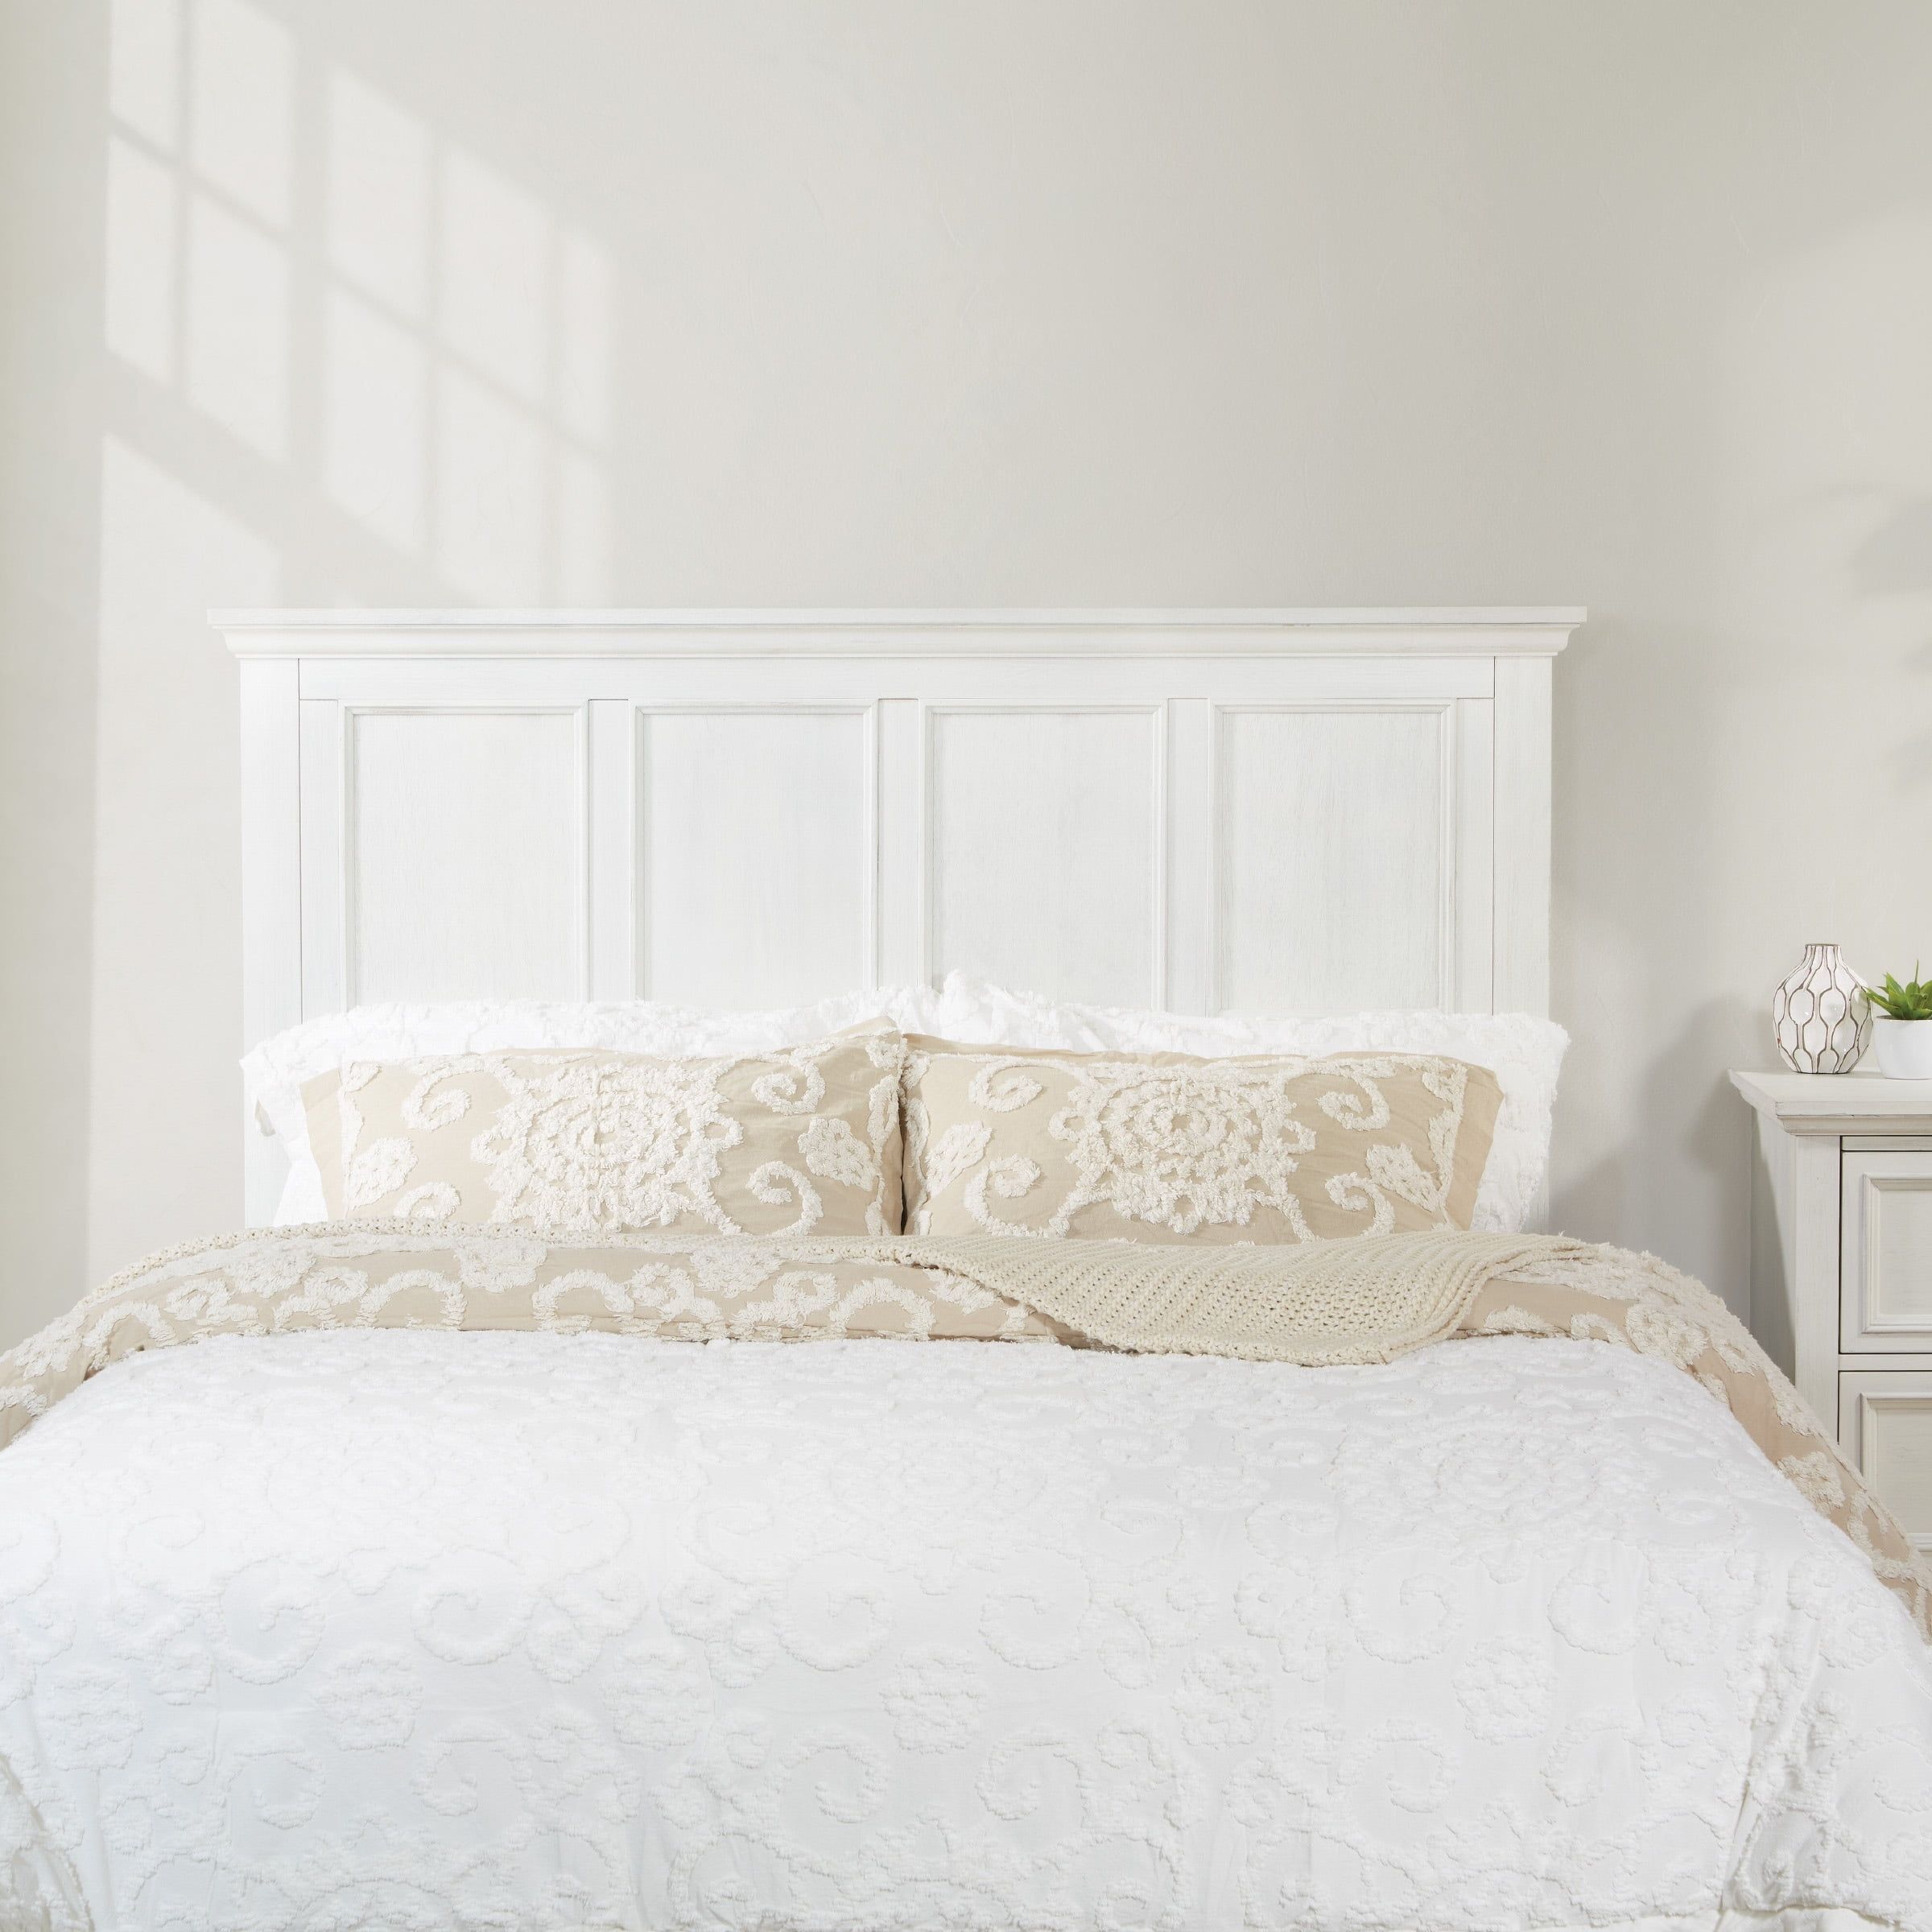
(1236, 810)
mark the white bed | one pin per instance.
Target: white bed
(462, 1630)
(355, 1630)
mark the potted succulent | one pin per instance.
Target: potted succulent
(1901, 1027)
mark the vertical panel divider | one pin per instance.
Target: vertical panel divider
(326, 857)
(1448, 963)
(611, 856)
(1192, 915)
(1474, 886)
(900, 828)
(872, 951)
(1163, 867)
(637, 810)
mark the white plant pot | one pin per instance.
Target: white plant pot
(1904, 1047)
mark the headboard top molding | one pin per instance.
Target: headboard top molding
(1200, 810)
(1499, 632)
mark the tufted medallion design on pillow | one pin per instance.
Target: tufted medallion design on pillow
(800, 1140)
(1164, 1146)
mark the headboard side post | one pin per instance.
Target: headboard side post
(271, 888)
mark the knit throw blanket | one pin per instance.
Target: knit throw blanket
(1323, 1303)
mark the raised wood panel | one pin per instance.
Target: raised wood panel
(1334, 835)
(1042, 853)
(463, 854)
(757, 835)
(1887, 1426)
(1885, 1238)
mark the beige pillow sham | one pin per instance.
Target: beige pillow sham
(1166, 1147)
(802, 1140)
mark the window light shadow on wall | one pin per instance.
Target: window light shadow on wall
(359, 302)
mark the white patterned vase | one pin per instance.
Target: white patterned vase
(1821, 1015)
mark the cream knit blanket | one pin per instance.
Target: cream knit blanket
(1323, 1304)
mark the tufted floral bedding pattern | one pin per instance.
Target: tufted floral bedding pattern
(786, 1141)
(1166, 1147)
(321, 1623)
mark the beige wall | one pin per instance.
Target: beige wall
(455, 300)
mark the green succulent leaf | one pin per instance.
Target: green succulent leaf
(1913, 1001)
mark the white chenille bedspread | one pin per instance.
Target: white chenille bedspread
(339, 1630)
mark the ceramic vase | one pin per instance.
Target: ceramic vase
(1904, 1048)
(1820, 1014)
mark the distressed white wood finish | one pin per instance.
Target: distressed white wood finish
(1841, 1264)
(1484, 631)
(271, 887)
(1886, 1247)
(1332, 842)
(1199, 810)
(1887, 1426)
(1044, 861)
(463, 853)
(760, 824)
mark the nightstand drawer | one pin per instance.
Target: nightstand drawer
(1885, 1427)
(1886, 1251)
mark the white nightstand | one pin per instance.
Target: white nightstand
(1841, 1265)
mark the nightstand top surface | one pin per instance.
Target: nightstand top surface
(1838, 1103)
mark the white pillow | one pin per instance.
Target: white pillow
(1524, 1053)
